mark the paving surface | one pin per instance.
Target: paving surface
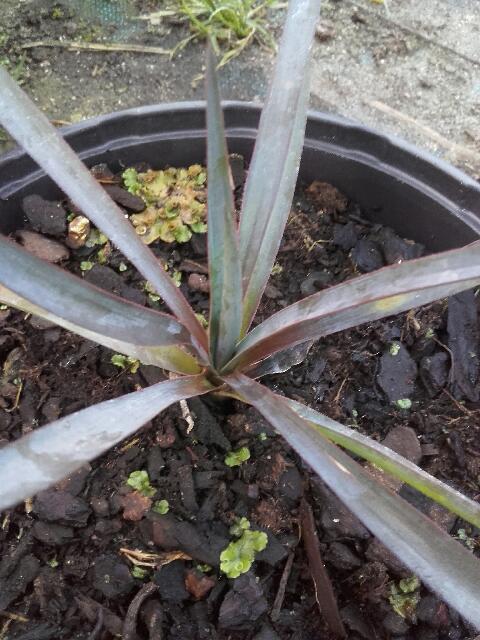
(406, 67)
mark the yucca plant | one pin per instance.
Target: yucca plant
(229, 357)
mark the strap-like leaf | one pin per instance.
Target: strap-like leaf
(49, 454)
(391, 462)
(223, 255)
(385, 292)
(35, 286)
(438, 560)
(32, 130)
(274, 167)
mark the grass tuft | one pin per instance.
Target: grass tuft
(231, 25)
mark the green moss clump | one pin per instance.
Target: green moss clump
(140, 481)
(175, 203)
(238, 557)
(161, 507)
(236, 458)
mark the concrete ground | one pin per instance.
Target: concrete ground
(406, 67)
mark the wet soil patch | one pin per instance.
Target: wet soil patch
(91, 559)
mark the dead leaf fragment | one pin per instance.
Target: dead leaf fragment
(135, 506)
(198, 584)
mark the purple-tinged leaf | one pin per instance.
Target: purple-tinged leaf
(32, 130)
(35, 286)
(389, 291)
(391, 462)
(223, 255)
(49, 454)
(440, 562)
(282, 360)
(276, 158)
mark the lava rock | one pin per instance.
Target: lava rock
(290, 485)
(100, 506)
(75, 482)
(341, 557)
(52, 534)
(243, 604)
(124, 198)
(434, 372)
(266, 633)
(463, 342)
(199, 244)
(274, 552)
(169, 533)
(40, 323)
(102, 171)
(107, 526)
(404, 441)
(336, 519)
(433, 611)
(345, 235)
(42, 247)
(396, 249)
(107, 279)
(187, 488)
(17, 582)
(443, 518)
(395, 624)
(171, 581)
(61, 507)
(44, 216)
(397, 373)
(112, 577)
(198, 282)
(207, 429)
(315, 281)
(208, 479)
(155, 463)
(378, 552)
(426, 633)
(354, 621)
(367, 255)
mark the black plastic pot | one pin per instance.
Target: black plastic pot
(420, 196)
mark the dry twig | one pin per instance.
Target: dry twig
(324, 593)
(122, 47)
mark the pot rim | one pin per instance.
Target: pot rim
(451, 188)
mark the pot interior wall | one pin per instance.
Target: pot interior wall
(394, 183)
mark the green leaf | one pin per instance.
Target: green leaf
(33, 131)
(161, 507)
(239, 527)
(274, 167)
(125, 362)
(404, 403)
(391, 462)
(238, 457)
(35, 286)
(199, 227)
(49, 454)
(239, 556)
(139, 573)
(383, 293)
(223, 253)
(140, 481)
(438, 560)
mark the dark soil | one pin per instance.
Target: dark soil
(66, 568)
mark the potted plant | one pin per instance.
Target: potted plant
(229, 358)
